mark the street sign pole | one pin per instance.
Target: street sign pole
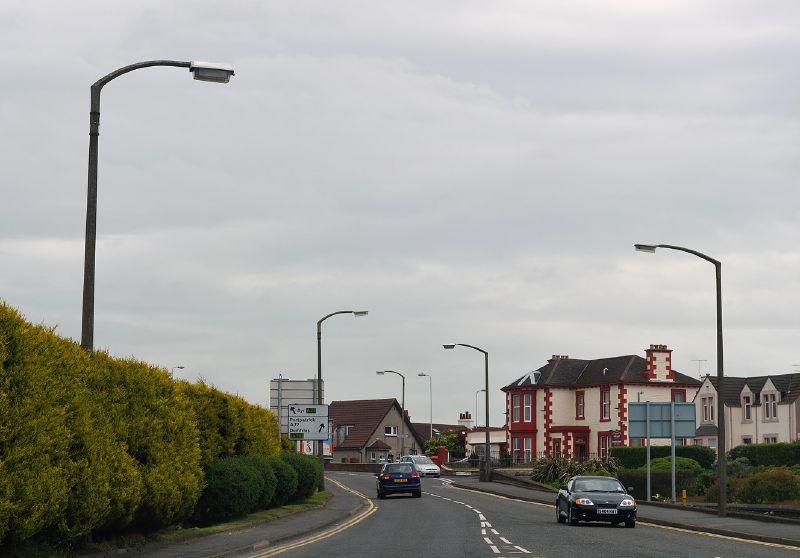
(672, 431)
(647, 418)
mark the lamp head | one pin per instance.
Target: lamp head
(380, 372)
(449, 345)
(211, 71)
(423, 374)
(649, 248)
(360, 313)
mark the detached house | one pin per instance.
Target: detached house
(759, 409)
(371, 431)
(579, 408)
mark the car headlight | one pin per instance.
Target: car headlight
(627, 503)
(584, 502)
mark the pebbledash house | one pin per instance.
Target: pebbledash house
(579, 408)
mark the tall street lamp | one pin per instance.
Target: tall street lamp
(178, 367)
(721, 458)
(430, 397)
(486, 472)
(203, 71)
(403, 407)
(358, 314)
(476, 404)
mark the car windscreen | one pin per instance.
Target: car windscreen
(398, 468)
(597, 485)
(423, 460)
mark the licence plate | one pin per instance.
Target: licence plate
(406, 480)
(608, 511)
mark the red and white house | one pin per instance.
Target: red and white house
(579, 408)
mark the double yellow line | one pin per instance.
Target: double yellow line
(371, 508)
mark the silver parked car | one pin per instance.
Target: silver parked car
(424, 465)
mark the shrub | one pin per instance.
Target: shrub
(634, 457)
(770, 487)
(768, 455)
(551, 470)
(660, 482)
(263, 467)
(683, 464)
(233, 489)
(286, 485)
(309, 473)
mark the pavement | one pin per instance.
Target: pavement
(770, 530)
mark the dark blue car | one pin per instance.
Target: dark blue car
(399, 478)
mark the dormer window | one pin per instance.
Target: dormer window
(770, 406)
(747, 407)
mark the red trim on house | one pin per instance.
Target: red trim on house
(548, 413)
(608, 390)
(580, 414)
(566, 446)
(622, 403)
(674, 391)
(570, 428)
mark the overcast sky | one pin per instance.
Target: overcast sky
(466, 171)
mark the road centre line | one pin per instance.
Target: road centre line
(648, 524)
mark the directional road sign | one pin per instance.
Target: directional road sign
(308, 422)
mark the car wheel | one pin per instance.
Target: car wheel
(573, 520)
(630, 523)
(381, 496)
(560, 518)
(418, 494)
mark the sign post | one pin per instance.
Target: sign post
(662, 421)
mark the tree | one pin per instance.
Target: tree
(453, 441)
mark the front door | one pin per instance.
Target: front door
(580, 446)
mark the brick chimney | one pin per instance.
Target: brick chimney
(465, 419)
(659, 364)
(558, 357)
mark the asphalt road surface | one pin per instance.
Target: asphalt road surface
(449, 522)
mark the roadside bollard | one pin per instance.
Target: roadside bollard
(683, 496)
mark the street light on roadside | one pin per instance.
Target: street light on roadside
(486, 473)
(203, 71)
(403, 412)
(430, 396)
(721, 457)
(358, 314)
(178, 367)
(476, 404)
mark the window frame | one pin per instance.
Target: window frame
(527, 405)
(580, 405)
(515, 408)
(747, 408)
(603, 416)
(390, 430)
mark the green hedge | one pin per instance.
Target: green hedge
(263, 466)
(768, 455)
(309, 473)
(634, 457)
(770, 486)
(91, 444)
(234, 488)
(660, 482)
(286, 481)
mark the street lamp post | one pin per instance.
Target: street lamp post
(178, 367)
(476, 404)
(486, 473)
(430, 397)
(202, 71)
(721, 458)
(403, 409)
(358, 314)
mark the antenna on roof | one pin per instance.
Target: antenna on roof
(699, 362)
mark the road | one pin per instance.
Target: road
(453, 523)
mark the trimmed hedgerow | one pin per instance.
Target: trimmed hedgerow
(781, 454)
(286, 485)
(309, 473)
(91, 444)
(233, 489)
(633, 457)
(263, 466)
